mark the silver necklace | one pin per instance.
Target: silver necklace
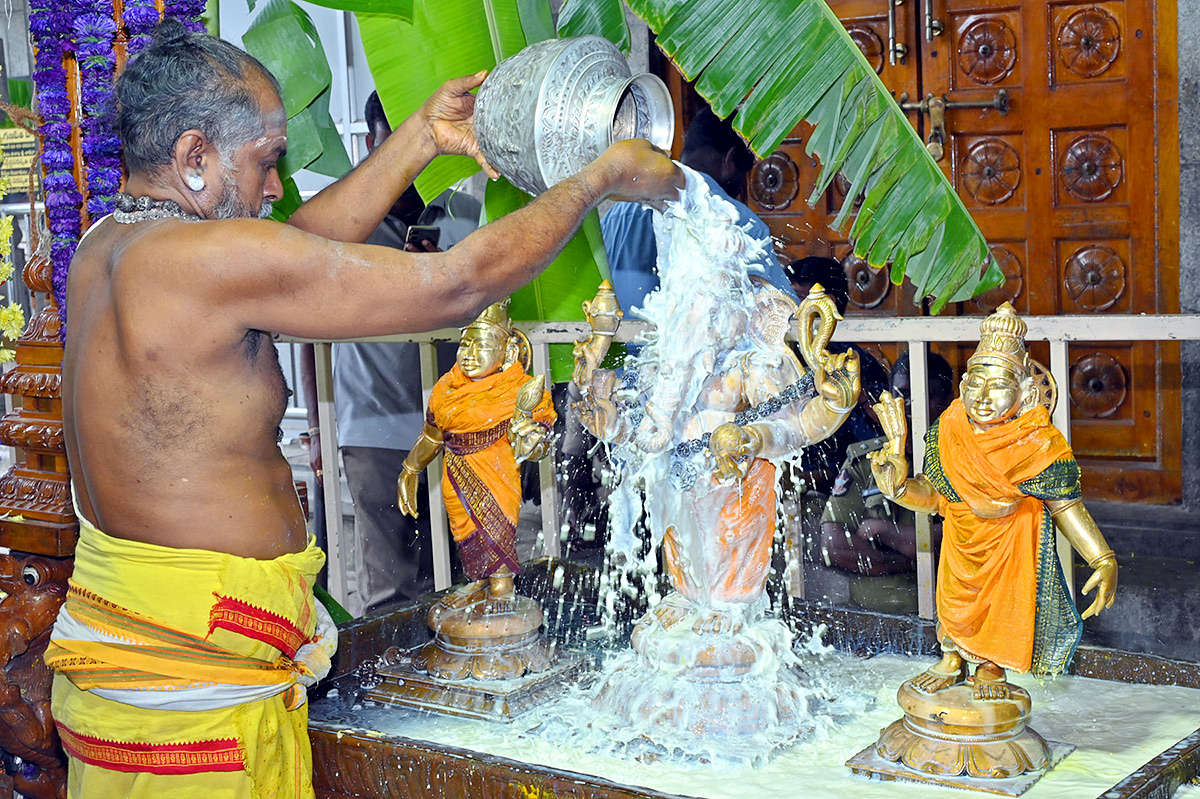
(129, 210)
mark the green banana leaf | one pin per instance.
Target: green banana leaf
(777, 62)
(410, 61)
(284, 39)
(600, 19)
(400, 9)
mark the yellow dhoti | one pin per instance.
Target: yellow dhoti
(177, 671)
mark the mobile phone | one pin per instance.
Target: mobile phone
(419, 233)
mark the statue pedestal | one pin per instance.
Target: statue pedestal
(707, 672)
(488, 658)
(951, 738)
(492, 700)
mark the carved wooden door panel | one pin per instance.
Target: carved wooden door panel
(1064, 182)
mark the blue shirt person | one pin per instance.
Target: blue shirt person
(712, 148)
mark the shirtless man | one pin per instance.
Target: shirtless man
(192, 538)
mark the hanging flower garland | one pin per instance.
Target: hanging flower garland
(186, 11)
(50, 28)
(87, 29)
(101, 148)
(140, 17)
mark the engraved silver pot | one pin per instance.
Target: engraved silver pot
(550, 110)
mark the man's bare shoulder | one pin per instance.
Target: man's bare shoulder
(210, 246)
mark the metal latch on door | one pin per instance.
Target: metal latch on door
(936, 108)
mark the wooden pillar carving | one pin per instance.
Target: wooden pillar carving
(37, 488)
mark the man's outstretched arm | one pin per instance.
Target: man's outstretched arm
(264, 276)
(350, 209)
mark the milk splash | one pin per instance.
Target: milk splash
(710, 675)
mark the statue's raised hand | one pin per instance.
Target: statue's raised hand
(890, 411)
(888, 465)
(528, 438)
(734, 448)
(837, 378)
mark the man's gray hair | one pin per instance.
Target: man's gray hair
(183, 81)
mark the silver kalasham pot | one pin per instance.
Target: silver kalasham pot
(551, 109)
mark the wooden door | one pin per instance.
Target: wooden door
(1074, 184)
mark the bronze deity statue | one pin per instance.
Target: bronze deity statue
(488, 416)
(1003, 479)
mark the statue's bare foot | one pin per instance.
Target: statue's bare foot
(669, 614)
(990, 682)
(713, 622)
(946, 672)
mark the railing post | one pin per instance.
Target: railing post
(551, 517)
(1062, 420)
(439, 526)
(918, 377)
(335, 554)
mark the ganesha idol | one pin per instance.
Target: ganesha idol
(488, 416)
(696, 427)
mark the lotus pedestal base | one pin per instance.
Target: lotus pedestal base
(950, 738)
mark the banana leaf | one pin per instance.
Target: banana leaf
(400, 9)
(787, 61)
(578, 19)
(410, 61)
(284, 39)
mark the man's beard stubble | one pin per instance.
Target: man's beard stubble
(230, 205)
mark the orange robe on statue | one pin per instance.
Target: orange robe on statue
(987, 578)
(481, 482)
(728, 556)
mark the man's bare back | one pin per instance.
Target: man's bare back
(172, 412)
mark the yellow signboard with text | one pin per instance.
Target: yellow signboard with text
(20, 151)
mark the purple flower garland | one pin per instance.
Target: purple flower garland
(186, 11)
(87, 29)
(101, 149)
(140, 17)
(50, 27)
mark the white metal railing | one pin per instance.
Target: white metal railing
(914, 331)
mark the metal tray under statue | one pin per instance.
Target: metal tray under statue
(488, 658)
(868, 763)
(491, 700)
